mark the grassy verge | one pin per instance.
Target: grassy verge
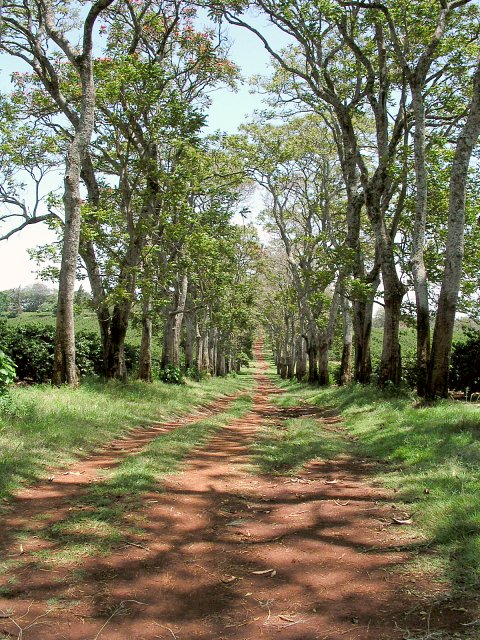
(283, 448)
(108, 512)
(430, 456)
(43, 426)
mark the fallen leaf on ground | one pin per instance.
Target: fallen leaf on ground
(287, 618)
(400, 521)
(265, 572)
(229, 579)
(330, 482)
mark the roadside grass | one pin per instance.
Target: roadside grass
(43, 427)
(430, 457)
(284, 447)
(108, 513)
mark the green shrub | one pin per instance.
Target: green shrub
(7, 372)
(409, 369)
(132, 354)
(195, 374)
(31, 348)
(171, 374)
(243, 359)
(465, 362)
(89, 352)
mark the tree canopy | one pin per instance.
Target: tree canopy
(365, 156)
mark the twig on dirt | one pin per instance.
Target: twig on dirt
(34, 622)
(470, 624)
(238, 624)
(115, 612)
(134, 544)
(285, 626)
(268, 617)
(167, 628)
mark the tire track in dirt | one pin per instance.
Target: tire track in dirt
(228, 555)
(52, 499)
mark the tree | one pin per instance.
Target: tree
(305, 209)
(32, 32)
(437, 383)
(149, 111)
(425, 53)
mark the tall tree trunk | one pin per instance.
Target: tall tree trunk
(292, 350)
(64, 367)
(116, 365)
(145, 359)
(283, 363)
(199, 349)
(301, 354)
(190, 341)
(447, 303)
(276, 354)
(312, 354)
(419, 271)
(221, 367)
(87, 252)
(203, 350)
(346, 363)
(323, 374)
(173, 325)
(391, 362)
(212, 349)
(326, 337)
(288, 355)
(394, 289)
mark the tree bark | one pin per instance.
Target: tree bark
(173, 325)
(447, 303)
(64, 367)
(419, 271)
(116, 365)
(190, 342)
(346, 363)
(145, 360)
(326, 337)
(301, 356)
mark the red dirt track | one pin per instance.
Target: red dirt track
(226, 554)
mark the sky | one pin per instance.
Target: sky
(229, 109)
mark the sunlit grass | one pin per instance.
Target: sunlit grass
(286, 447)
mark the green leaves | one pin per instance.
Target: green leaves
(7, 372)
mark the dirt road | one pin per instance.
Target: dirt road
(224, 554)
